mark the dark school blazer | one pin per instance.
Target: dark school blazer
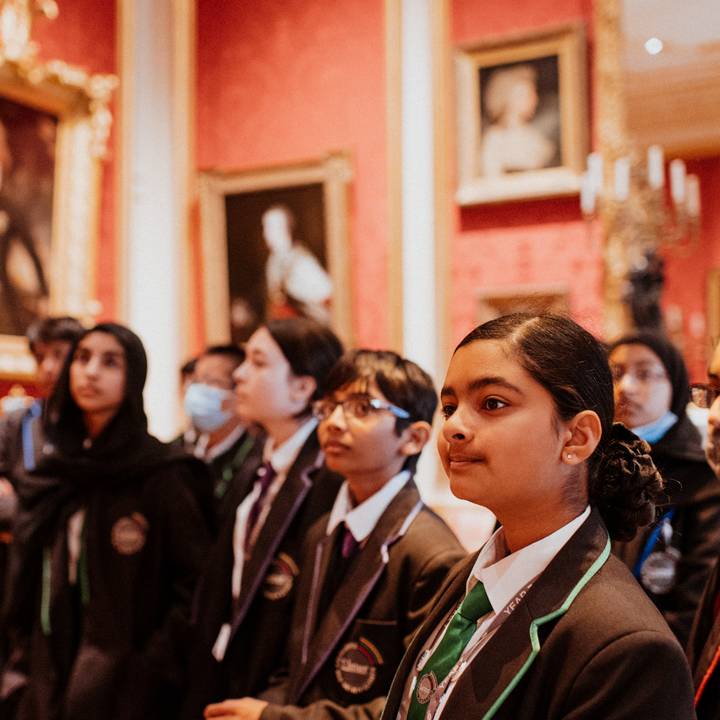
(261, 622)
(584, 643)
(693, 497)
(349, 656)
(702, 650)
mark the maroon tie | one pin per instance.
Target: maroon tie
(349, 544)
(265, 474)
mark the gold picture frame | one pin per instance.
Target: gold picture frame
(79, 103)
(522, 116)
(235, 256)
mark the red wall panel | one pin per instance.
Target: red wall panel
(286, 80)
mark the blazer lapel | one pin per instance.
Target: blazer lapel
(285, 507)
(448, 597)
(361, 577)
(508, 655)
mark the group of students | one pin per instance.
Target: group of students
(286, 567)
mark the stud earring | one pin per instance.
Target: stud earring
(569, 456)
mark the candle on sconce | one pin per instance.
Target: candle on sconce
(655, 167)
(677, 181)
(622, 179)
(587, 194)
(693, 196)
(595, 172)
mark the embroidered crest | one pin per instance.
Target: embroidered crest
(426, 687)
(356, 666)
(280, 577)
(129, 533)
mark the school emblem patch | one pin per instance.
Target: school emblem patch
(129, 533)
(426, 686)
(280, 577)
(356, 666)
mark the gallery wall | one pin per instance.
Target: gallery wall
(282, 81)
(84, 35)
(546, 243)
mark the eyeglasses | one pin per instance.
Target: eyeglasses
(356, 406)
(703, 395)
(642, 375)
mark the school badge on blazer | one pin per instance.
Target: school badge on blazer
(129, 533)
(280, 577)
(356, 666)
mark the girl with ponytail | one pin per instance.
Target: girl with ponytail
(543, 622)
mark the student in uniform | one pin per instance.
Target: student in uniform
(223, 443)
(243, 606)
(673, 557)
(704, 645)
(544, 622)
(109, 542)
(372, 565)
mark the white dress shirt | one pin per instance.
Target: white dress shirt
(208, 454)
(362, 519)
(281, 458)
(505, 575)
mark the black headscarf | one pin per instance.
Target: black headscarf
(68, 469)
(672, 361)
(124, 449)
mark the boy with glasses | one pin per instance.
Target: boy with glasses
(672, 558)
(372, 565)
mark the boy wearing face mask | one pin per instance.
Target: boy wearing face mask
(223, 442)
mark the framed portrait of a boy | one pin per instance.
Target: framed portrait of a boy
(522, 116)
(275, 244)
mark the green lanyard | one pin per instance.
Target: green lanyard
(83, 583)
(231, 468)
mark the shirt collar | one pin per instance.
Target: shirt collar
(362, 519)
(208, 454)
(283, 456)
(504, 573)
(653, 431)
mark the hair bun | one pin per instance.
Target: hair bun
(627, 486)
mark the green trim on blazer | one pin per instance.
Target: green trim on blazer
(535, 624)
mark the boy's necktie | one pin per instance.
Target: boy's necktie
(446, 655)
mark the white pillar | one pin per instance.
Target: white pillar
(153, 171)
(420, 314)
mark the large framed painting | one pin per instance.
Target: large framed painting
(275, 244)
(522, 116)
(54, 123)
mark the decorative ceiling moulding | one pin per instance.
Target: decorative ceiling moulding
(56, 122)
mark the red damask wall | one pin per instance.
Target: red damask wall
(280, 81)
(84, 34)
(546, 242)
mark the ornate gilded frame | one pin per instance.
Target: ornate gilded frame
(334, 174)
(567, 44)
(80, 102)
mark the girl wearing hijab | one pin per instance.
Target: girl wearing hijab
(672, 559)
(543, 622)
(243, 606)
(109, 542)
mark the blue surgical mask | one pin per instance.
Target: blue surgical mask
(204, 406)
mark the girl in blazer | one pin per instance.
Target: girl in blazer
(672, 558)
(109, 542)
(544, 622)
(243, 606)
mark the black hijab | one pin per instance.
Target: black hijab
(67, 468)
(124, 449)
(672, 361)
